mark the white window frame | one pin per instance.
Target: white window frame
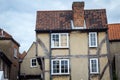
(31, 62)
(90, 42)
(52, 42)
(97, 68)
(15, 52)
(60, 73)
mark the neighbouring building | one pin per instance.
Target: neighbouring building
(5, 65)
(9, 54)
(73, 44)
(29, 68)
(114, 39)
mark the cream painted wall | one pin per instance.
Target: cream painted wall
(79, 68)
(78, 46)
(101, 36)
(103, 62)
(56, 52)
(26, 66)
(78, 43)
(45, 39)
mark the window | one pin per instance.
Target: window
(92, 39)
(93, 65)
(15, 52)
(59, 40)
(33, 62)
(60, 66)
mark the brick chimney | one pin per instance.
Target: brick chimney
(78, 14)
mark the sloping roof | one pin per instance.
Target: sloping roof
(96, 18)
(60, 20)
(50, 20)
(114, 31)
(21, 56)
(6, 36)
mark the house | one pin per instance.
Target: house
(73, 44)
(10, 49)
(114, 39)
(5, 65)
(30, 70)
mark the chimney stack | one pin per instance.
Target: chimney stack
(78, 14)
(1, 33)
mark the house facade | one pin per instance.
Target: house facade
(114, 40)
(5, 65)
(29, 68)
(73, 44)
(10, 49)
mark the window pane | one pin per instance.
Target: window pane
(55, 66)
(15, 52)
(94, 66)
(64, 66)
(93, 39)
(34, 62)
(60, 66)
(55, 39)
(59, 40)
(63, 39)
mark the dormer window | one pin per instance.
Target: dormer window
(59, 40)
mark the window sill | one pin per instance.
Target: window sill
(59, 47)
(93, 46)
(65, 74)
(94, 73)
(33, 66)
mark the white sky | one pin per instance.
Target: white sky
(18, 17)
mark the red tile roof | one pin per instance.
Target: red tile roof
(22, 56)
(95, 18)
(114, 31)
(60, 20)
(53, 20)
(5, 36)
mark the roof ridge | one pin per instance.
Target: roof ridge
(53, 10)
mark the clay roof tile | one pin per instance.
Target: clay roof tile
(114, 31)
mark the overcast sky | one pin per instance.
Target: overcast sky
(18, 17)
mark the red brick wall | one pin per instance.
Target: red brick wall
(78, 13)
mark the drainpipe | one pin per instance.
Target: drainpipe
(50, 54)
(20, 61)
